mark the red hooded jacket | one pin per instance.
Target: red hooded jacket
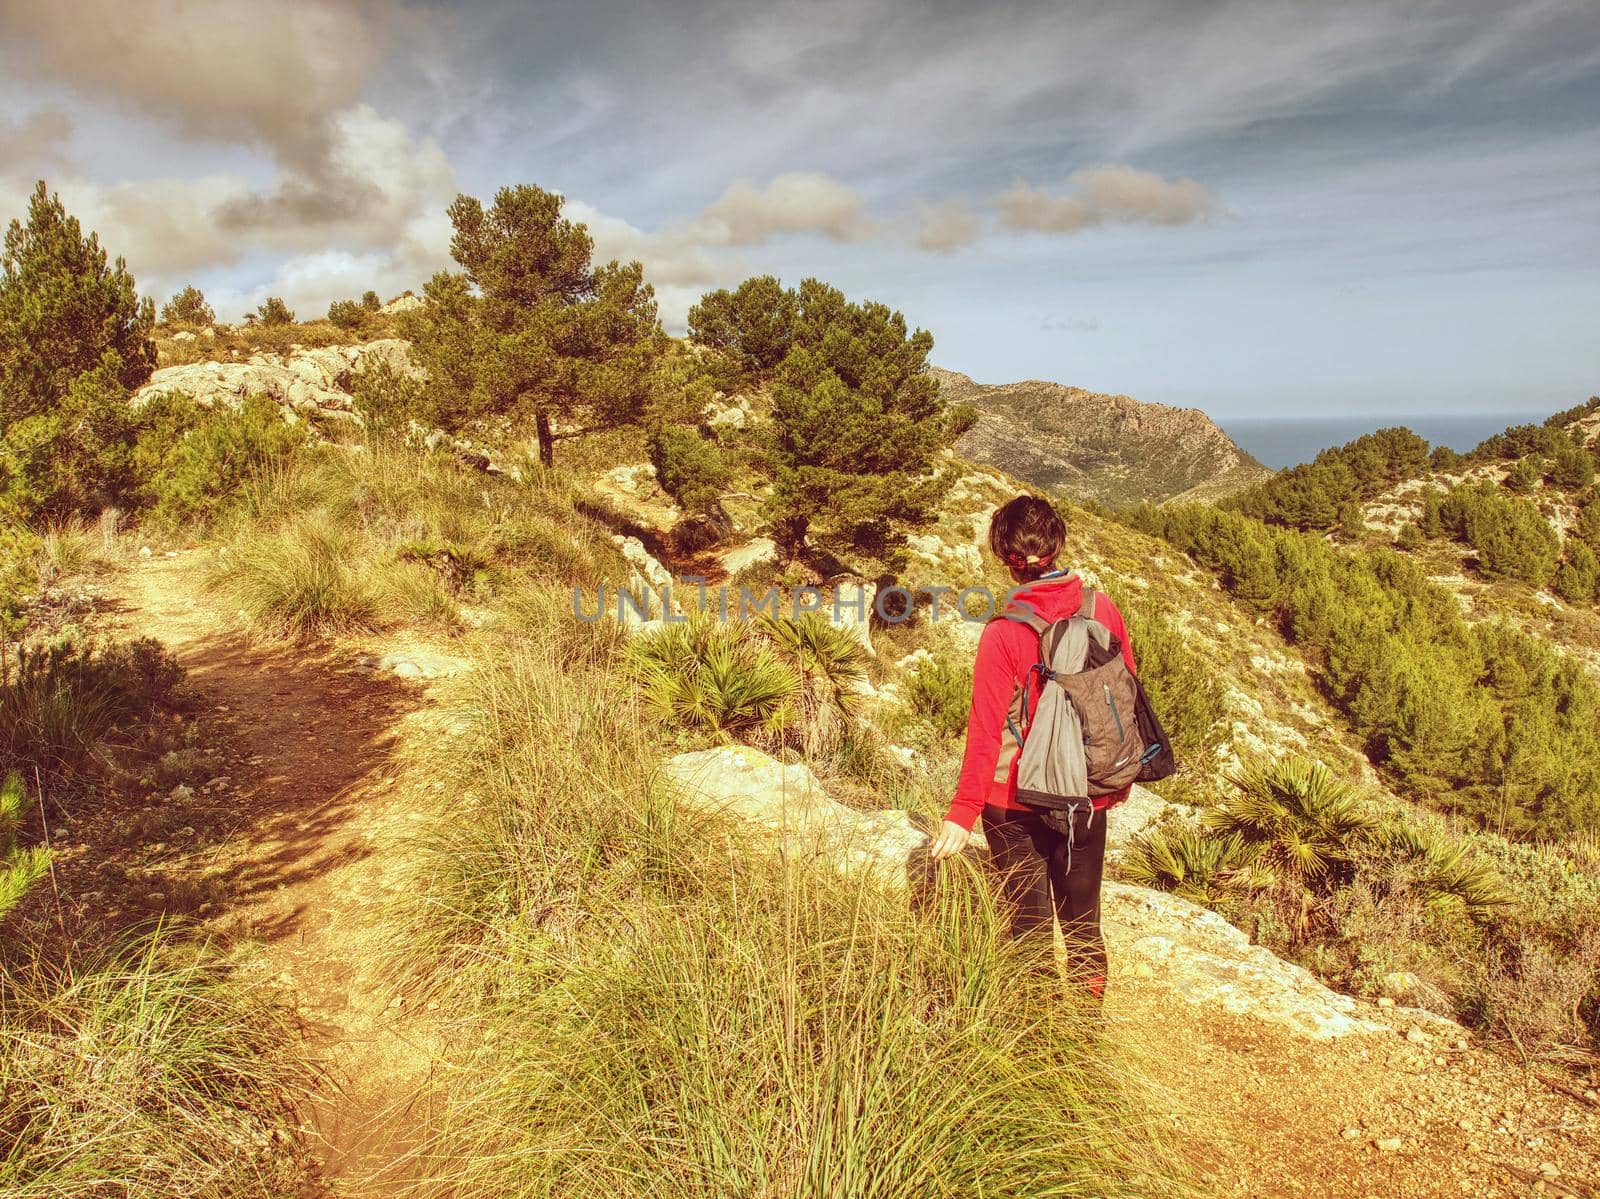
(1006, 651)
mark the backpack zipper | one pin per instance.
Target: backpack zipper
(1122, 734)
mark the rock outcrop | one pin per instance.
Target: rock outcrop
(303, 380)
(1106, 447)
(1194, 953)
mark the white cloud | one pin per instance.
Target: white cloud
(793, 202)
(1105, 195)
(946, 226)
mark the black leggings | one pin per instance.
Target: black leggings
(1046, 874)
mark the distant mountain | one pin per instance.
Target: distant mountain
(1111, 448)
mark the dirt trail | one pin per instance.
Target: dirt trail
(314, 856)
(1269, 1115)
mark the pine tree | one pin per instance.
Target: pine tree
(74, 339)
(1579, 577)
(858, 422)
(275, 312)
(63, 310)
(19, 868)
(754, 324)
(188, 307)
(531, 327)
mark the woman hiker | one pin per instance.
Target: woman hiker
(1044, 872)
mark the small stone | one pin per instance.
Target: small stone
(146, 552)
(1350, 1134)
(181, 792)
(1416, 1036)
(1399, 984)
(1388, 1144)
(1549, 1169)
(1459, 1043)
(1143, 970)
(1386, 1002)
(1592, 1096)
(1439, 1061)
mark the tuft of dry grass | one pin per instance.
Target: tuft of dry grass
(648, 1004)
(150, 1072)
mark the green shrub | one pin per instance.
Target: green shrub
(1182, 686)
(386, 399)
(707, 676)
(199, 460)
(1410, 538)
(939, 694)
(76, 455)
(370, 301)
(347, 314)
(150, 1072)
(1195, 864)
(1511, 536)
(20, 868)
(1578, 580)
(1321, 495)
(1524, 475)
(689, 468)
(1572, 469)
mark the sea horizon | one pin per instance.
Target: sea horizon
(1280, 442)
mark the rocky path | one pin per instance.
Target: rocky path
(312, 855)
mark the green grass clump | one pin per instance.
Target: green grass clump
(655, 1005)
(147, 1073)
(301, 580)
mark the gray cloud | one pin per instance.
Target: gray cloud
(39, 138)
(1105, 195)
(265, 73)
(946, 226)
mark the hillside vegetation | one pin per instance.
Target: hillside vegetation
(623, 995)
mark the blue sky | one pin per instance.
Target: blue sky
(1254, 207)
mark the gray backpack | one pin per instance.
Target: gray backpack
(1084, 738)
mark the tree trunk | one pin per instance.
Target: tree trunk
(547, 445)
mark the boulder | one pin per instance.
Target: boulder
(303, 380)
(1156, 938)
(850, 605)
(788, 807)
(1128, 819)
(402, 304)
(1199, 957)
(757, 550)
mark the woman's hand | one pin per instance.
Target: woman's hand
(952, 839)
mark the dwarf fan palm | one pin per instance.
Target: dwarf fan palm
(708, 676)
(1195, 865)
(1306, 823)
(1454, 877)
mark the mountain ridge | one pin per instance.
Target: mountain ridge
(1090, 445)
